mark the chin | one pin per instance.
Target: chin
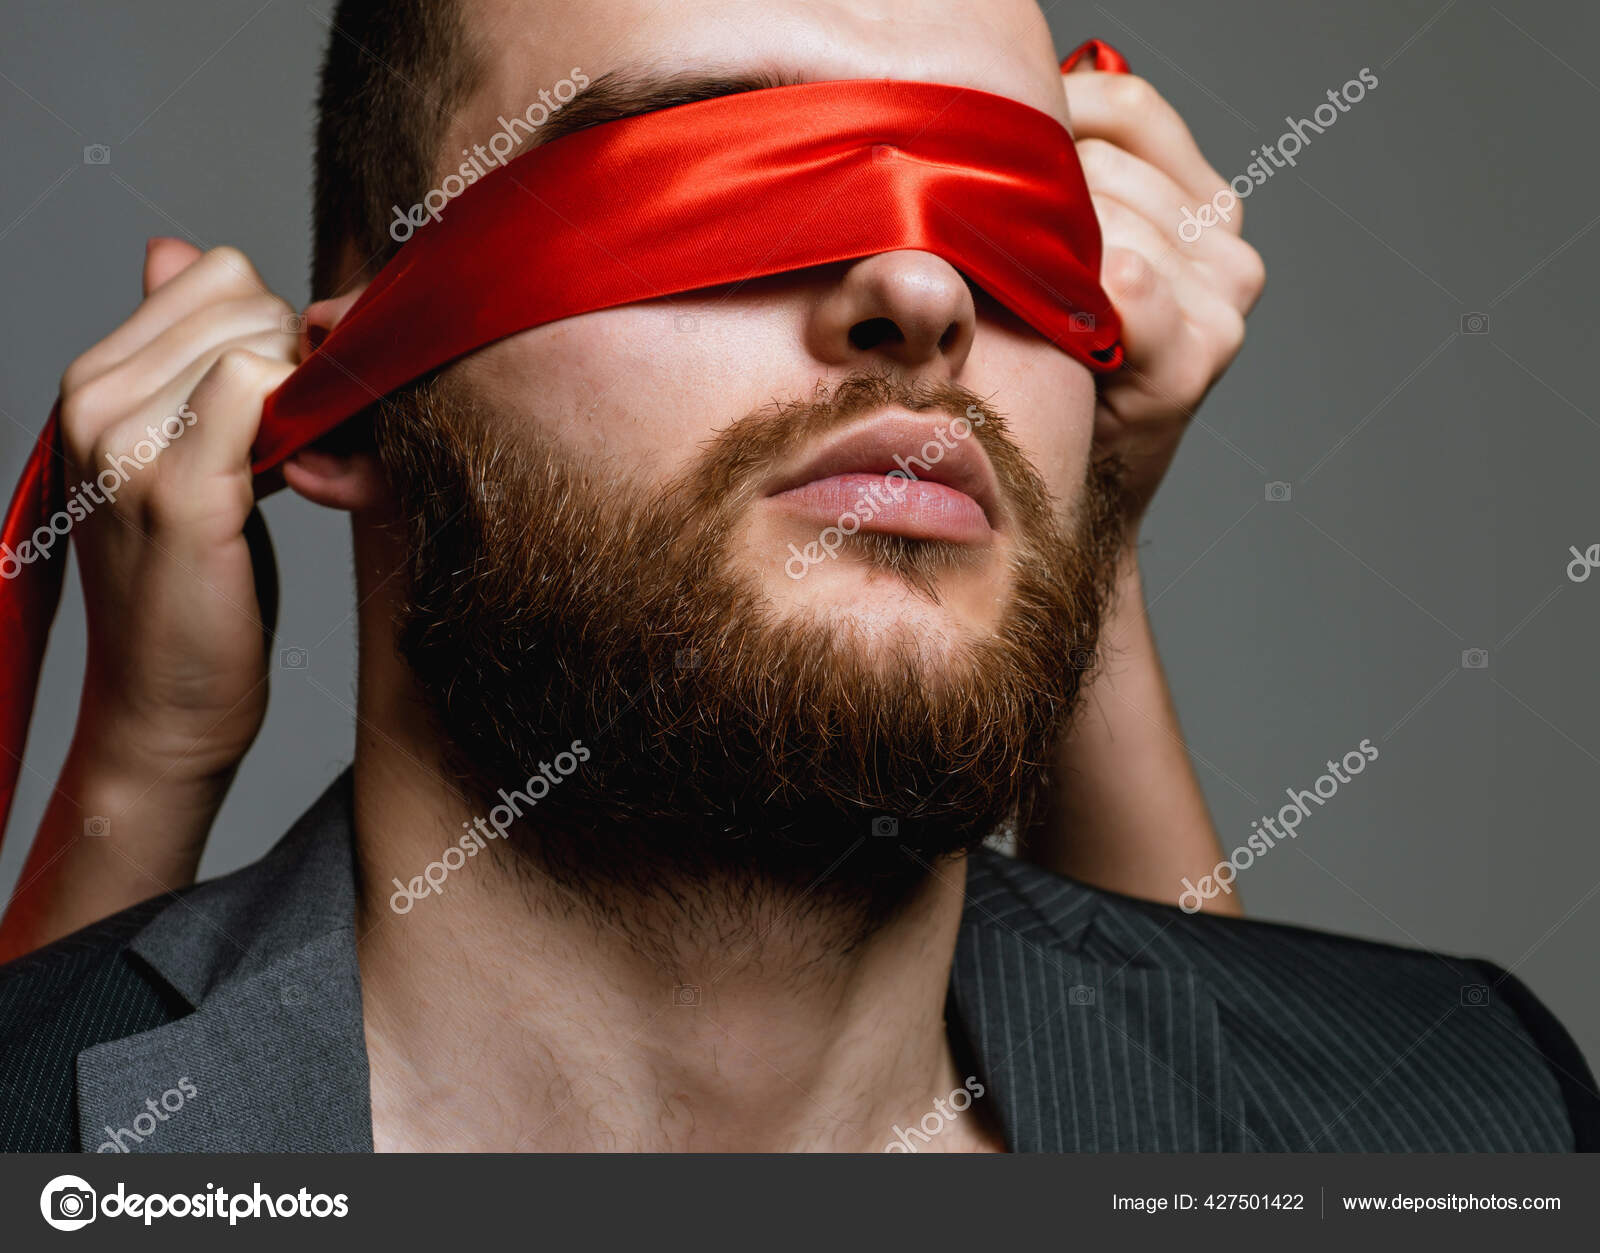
(927, 614)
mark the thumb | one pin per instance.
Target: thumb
(165, 258)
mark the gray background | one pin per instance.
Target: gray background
(1438, 478)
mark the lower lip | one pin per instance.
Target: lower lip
(890, 506)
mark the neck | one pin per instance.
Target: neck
(520, 1018)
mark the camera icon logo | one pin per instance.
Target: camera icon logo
(686, 995)
(1081, 322)
(685, 322)
(292, 323)
(98, 825)
(1474, 323)
(293, 659)
(1474, 994)
(1475, 659)
(885, 827)
(96, 154)
(1081, 994)
(688, 659)
(1279, 491)
(67, 1203)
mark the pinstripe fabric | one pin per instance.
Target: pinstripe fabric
(53, 1003)
(1192, 1032)
(1096, 1023)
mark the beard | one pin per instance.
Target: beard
(731, 750)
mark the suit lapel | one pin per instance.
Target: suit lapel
(274, 1062)
(1082, 1053)
(273, 1055)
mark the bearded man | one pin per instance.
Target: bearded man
(665, 825)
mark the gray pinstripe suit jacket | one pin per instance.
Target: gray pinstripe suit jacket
(1095, 1022)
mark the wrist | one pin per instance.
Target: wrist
(126, 770)
(157, 823)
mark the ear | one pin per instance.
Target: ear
(338, 473)
(320, 317)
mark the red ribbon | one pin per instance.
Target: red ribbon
(701, 195)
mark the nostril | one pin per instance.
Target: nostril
(874, 333)
(952, 334)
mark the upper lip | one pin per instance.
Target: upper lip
(871, 446)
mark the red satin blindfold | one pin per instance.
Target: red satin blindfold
(702, 195)
(707, 194)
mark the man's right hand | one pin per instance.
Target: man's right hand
(175, 685)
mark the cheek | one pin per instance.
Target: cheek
(639, 389)
(1048, 402)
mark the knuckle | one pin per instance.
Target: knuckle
(78, 373)
(75, 419)
(1128, 93)
(274, 309)
(1252, 273)
(1194, 379)
(236, 377)
(235, 368)
(1127, 271)
(1230, 331)
(233, 267)
(114, 443)
(260, 310)
(84, 412)
(1237, 212)
(1096, 156)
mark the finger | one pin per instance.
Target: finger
(133, 397)
(172, 353)
(1145, 188)
(200, 481)
(1198, 290)
(1123, 227)
(1233, 267)
(227, 401)
(1125, 110)
(1173, 352)
(1152, 318)
(165, 258)
(221, 274)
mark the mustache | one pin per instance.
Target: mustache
(736, 461)
(736, 458)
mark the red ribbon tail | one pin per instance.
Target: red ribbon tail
(30, 590)
(1100, 55)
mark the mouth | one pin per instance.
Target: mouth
(914, 475)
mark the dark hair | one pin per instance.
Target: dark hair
(393, 75)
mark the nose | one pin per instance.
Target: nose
(912, 308)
